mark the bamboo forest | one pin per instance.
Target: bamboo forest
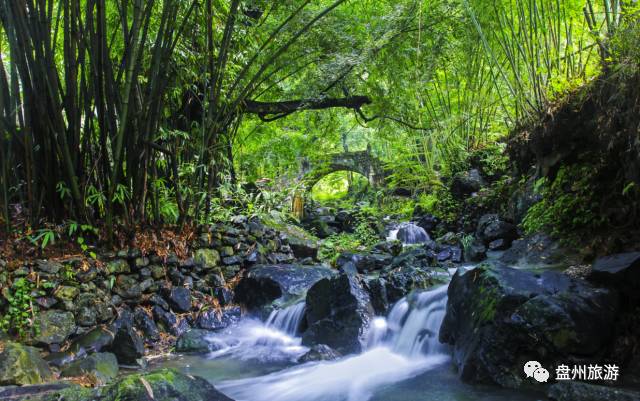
(319, 200)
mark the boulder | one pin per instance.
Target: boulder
(162, 385)
(101, 367)
(127, 346)
(145, 323)
(620, 270)
(475, 252)
(93, 341)
(538, 250)
(179, 298)
(365, 262)
(319, 353)
(491, 228)
(466, 183)
(54, 326)
(21, 365)
(377, 288)
(194, 341)
(338, 313)
(303, 247)
(217, 320)
(493, 311)
(207, 258)
(573, 390)
(66, 293)
(166, 320)
(59, 359)
(118, 266)
(400, 282)
(265, 284)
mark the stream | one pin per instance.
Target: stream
(402, 360)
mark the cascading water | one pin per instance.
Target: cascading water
(288, 319)
(399, 347)
(409, 234)
(273, 341)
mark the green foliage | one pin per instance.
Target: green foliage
(363, 238)
(42, 237)
(19, 315)
(570, 205)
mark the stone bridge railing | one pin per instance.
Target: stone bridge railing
(362, 162)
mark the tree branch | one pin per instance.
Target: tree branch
(274, 110)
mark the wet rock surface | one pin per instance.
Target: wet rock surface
(267, 283)
(493, 311)
(338, 314)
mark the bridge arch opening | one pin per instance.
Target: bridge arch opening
(338, 185)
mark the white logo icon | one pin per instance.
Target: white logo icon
(541, 375)
(534, 369)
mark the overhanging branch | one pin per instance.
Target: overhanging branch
(270, 111)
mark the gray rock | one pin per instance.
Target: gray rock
(493, 311)
(267, 283)
(318, 353)
(538, 250)
(21, 365)
(179, 299)
(162, 385)
(338, 314)
(127, 346)
(621, 271)
(491, 228)
(194, 341)
(54, 326)
(466, 183)
(102, 367)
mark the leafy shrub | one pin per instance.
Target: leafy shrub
(19, 315)
(569, 205)
(363, 238)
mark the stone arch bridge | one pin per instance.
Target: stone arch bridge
(362, 162)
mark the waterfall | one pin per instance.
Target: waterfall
(412, 326)
(288, 319)
(400, 346)
(419, 333)
(409, 234)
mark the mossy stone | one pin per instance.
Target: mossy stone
(207, 258)
(54, 326)
(162, 385)
(22, 365)
(103, 367)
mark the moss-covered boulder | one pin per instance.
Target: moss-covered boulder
(66, 293)
(21, 365)
(499, 318)
(118, 266)
(54, 326)
(162, 385)
(207, 258)
(101, 368)
(194, 341)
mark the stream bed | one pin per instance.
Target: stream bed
(402, 361)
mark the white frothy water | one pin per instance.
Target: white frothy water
(399, 347)
(408, 234)
(272, 341)
(288, 319)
